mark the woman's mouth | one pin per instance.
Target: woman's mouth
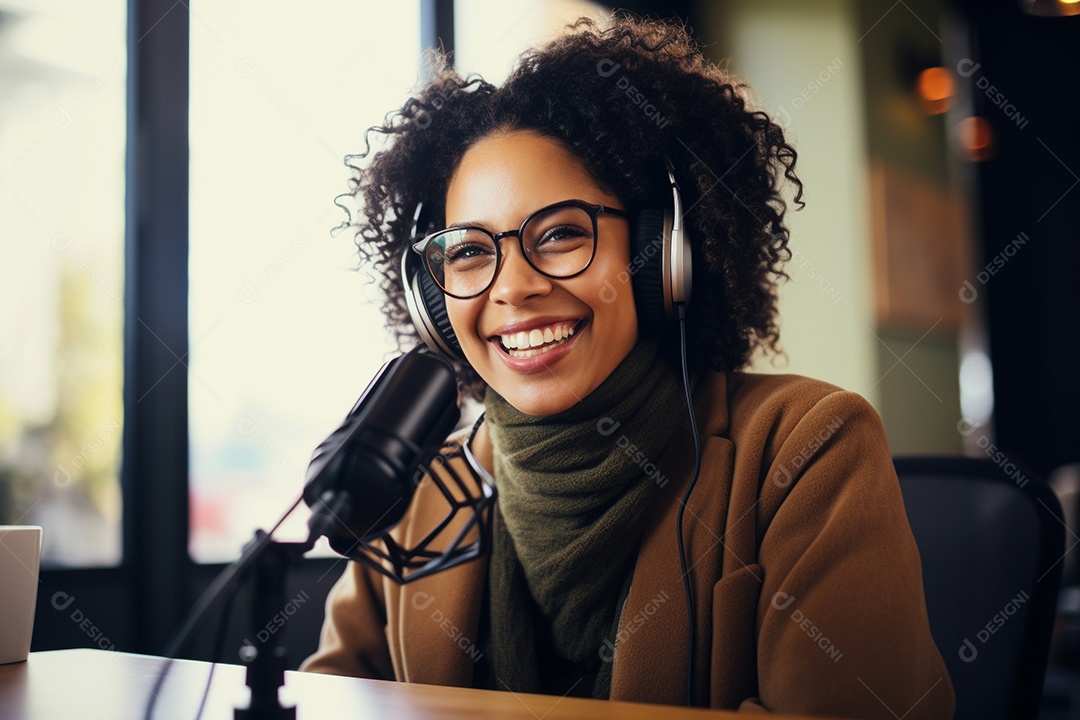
(537, 341)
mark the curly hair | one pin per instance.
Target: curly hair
(623, 99)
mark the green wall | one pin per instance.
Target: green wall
(836, 74)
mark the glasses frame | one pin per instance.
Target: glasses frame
(592, 209)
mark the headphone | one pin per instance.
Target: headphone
(659, 270)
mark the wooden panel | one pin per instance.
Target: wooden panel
(921, 239)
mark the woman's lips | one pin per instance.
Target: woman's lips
(535, 358)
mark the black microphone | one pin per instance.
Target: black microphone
(360, 479)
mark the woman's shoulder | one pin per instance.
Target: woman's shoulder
(753, 387)
(779, 406)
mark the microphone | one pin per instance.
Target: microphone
(359, 481)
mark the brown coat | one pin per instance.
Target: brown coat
(807, 585)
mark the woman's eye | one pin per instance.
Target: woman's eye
(571, 234)
(466, 251)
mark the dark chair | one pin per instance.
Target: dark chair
(992, 541)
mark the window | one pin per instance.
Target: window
(282, 337)
(489, 35)
(62, 135)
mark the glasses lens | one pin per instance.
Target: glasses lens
(462, 260)
(560, 242)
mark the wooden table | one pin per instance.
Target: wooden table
(91, 684)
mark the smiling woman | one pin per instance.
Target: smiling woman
(499, 181)
(536, 233)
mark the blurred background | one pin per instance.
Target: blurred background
(179, 329)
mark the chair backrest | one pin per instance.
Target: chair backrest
(991, 544)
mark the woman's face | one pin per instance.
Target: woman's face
(500, 181)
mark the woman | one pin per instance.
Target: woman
(532, 222)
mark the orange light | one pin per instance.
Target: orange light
(977, 138)
(937, 90)
(1051, 8)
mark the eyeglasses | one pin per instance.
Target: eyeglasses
(558, 241)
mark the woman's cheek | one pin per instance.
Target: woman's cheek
(463, 316)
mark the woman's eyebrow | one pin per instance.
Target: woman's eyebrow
(467, 223)
(486, 226)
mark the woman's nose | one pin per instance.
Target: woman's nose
(516, 280)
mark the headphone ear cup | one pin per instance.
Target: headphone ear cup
(434, 302)
(647, 268)
(427, 307)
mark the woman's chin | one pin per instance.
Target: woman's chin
(550, 396)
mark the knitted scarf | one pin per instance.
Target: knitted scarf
(574, 492)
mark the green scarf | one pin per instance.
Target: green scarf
(574, 493)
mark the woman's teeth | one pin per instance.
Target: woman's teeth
(536, 341)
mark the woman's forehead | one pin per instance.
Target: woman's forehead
(506, 176)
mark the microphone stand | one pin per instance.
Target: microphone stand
(266, 664)
(269, 560)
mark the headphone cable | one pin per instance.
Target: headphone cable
(691, 637)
